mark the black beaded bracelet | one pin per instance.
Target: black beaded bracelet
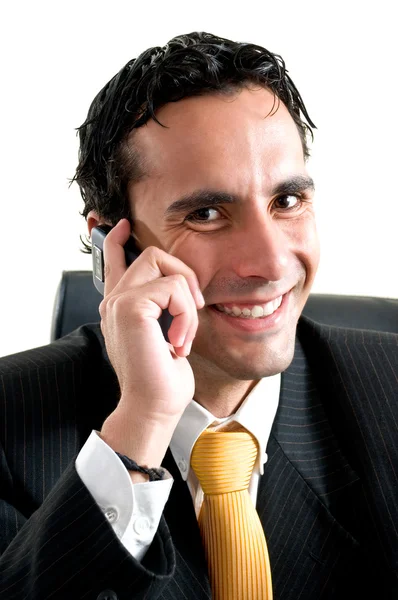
(131, 465)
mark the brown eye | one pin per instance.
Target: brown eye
(204, 215)
(287, 202)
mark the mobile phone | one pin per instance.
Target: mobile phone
(98, 235)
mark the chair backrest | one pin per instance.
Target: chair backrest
(77, 301)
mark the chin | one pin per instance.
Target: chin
(248, 362)
(269, 364)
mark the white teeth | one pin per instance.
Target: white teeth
(255, 313)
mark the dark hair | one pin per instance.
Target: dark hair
(188, 65)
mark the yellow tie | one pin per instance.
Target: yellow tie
(231, 530)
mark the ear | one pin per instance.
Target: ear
(93, 220)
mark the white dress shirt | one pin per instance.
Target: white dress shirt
(134, 510)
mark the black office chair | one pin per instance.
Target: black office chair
(77, 302)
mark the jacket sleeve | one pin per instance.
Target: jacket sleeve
(68, 549)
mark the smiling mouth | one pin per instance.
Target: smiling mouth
(258, 311)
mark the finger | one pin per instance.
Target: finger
(187, 348)
(148, 302)
(182, 308)
(114, 257)
(190, 332)
(155, 263)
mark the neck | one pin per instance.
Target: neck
(216, 391)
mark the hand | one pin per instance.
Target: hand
(155, 378)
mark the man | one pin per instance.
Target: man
(198, 150)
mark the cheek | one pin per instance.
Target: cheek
(308, 249)
(303, 238)
(311, 243)
(198, 253)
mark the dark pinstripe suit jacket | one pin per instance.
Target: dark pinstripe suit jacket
(328, 499)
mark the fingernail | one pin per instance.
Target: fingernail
(200, 299)
(187, 348)
(180, 341)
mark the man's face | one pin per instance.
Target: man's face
(245, 223)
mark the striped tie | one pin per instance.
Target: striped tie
(232, 534)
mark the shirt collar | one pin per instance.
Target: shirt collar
(256, 414)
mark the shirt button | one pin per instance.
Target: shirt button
(182, 465)
(141, 525)
(112, 515)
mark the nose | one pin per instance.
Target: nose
(261, 249)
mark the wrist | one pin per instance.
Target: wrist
(143, 440)
(154, 474)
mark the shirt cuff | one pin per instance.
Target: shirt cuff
(133, 510)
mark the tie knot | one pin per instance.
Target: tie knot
(223, 460)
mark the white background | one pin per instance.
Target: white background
(56, 56)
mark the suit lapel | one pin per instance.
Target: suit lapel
(306, 480)
(304, 433)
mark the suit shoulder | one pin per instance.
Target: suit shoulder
(359, 365)
(77, 347)
(346, 336)
(361, 360)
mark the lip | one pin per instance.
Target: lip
(249, 303)
(269, 323)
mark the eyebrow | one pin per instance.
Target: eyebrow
(207, 197)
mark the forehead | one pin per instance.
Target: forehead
(238, 142)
